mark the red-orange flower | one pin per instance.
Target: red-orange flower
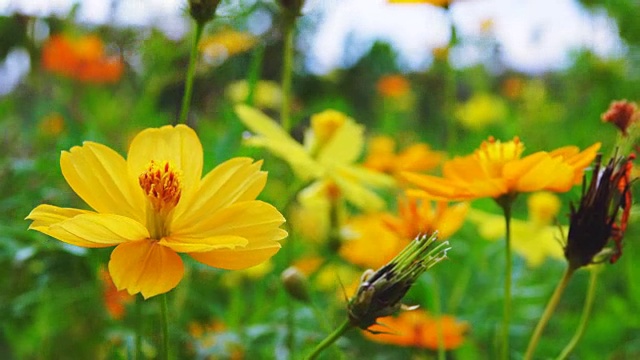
(393, 86)
(81, 58)
(114, 299)
(418, 329)
(622, 114)
(497, 169)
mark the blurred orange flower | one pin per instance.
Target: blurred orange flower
(382, 157)
(418, 328)
(389, 234)
(114, 299)
(497, 169)
(226, 43)
(393, 86)
(81, 58)
(51, 125)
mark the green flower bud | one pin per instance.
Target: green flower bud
(380, 293)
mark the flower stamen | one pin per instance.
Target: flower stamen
(162, 185)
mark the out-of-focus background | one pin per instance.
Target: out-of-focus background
(544, 71)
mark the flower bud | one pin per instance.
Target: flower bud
(295, 283)
(202, 11)
(380, 293)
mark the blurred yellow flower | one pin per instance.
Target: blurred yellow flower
(497, 169)
(388, 234)
(327, 156)
(382, 157)
(536, 239)
(155, 204)
(267, 94)
(481, 110)
(417, 328)
(226, 43)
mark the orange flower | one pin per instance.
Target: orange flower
(382, 157)
(82, 59)
(114, 299)
(389, 234)
(419, 329)
(497, 169)
(393, 86)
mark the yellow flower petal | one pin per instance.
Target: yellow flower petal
(186, 244)
(345, 145)
(358, 195)
(179, 145)
(254, 254)
(366, 176)
(145, 267)
(46, 215)
(254, 220)
(235, 180)
(87, 229)
(98, 175)
(271, 136)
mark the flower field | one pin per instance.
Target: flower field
(207, 196)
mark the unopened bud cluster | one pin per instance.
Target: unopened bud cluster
(380, 292)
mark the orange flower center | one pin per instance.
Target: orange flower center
(162, 185)
(494, 154)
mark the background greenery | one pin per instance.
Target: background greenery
(51, 295)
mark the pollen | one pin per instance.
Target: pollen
(494, 154)
(162, 185)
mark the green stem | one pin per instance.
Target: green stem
(255, 70)
(586, 312)
(138, 339)
(165, 326)
(287, 73)
(548, 312)
(437, 314)
(335, 335)
(506, 317)
(191, 71)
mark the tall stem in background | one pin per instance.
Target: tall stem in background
(506, 204)
(287, 71)
(191, 71)
(548, 312)
(586, 312)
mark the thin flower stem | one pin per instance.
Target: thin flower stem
(255, 70)
(437, 313)
(506, 317)
(586, 312)
(165, 326)
(138, 339)
(548, 312)
(287, 73)
(335, 335)
(191, 71)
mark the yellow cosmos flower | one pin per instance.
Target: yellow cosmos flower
(327, 156)
(535, 239)
(155, 204)
(497, 169)
(481, 111)
(220, 46)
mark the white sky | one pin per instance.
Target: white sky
(535, 35)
